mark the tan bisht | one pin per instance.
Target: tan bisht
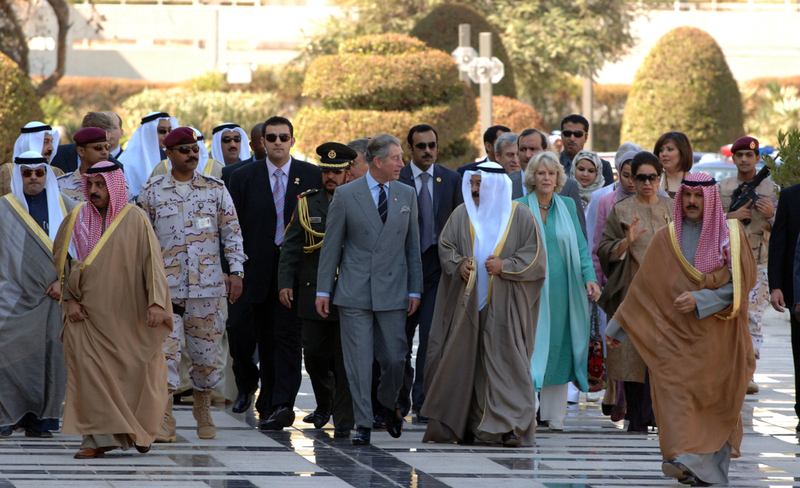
(697, 407)
(507, 339)
(116, 369)
(624, 363)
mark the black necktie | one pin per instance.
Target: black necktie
(382, 204)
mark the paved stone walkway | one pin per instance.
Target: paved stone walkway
(592, 451)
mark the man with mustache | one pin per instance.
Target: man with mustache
(117, 313)
(438, 194)
(687, 302)
(67, 157)
(92, 146)
(229, 144)
(36, 137)
(191, 213)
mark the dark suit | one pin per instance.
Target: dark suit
(446, 197)
(277, 328)
(782, 248)
(471, 166)
(67, 158)
(228, 170)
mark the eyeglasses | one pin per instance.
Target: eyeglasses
(28, 172)
(422, 145)
(274, 137)
(569, 133)
(228, 139)
(652, 178)
(164, 131)
(187, 149)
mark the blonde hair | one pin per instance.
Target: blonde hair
(551, 162)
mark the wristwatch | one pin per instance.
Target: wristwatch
(240, 274)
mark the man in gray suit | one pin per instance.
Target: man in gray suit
(372, 237)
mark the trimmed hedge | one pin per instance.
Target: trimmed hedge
(684, 85)
(315, 126)
(378, 82)
(509, 112)
(101, 94)
(382, 45)
(439, 30)
(18, 105)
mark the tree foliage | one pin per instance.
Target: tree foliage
(788, 172)
(18, 105)
(684, 84)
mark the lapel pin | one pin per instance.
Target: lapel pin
(438, 179)
(297, 181)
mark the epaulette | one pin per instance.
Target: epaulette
(153, 180)
(307, 193)
(212, 179)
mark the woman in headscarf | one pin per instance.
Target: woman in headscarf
(629, 229)
(674, 151)
(562, 336)
(589, 174)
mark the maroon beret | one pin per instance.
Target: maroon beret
(181, 135)
(88, 135)
(745, 143)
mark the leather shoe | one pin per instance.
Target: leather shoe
(341, 433)
(309, 419)
(43, 434)
(321, 419)
(469, 438)
(681, 473)
(89, 453)
(142, 449)
(362, 437)
(394, 422)
(511, 440)
(280, 418)
(421, 419)
(242, 402)
(378, 422)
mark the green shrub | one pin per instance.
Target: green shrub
(509, 112)
(18, 105)
(439, 30)
(283, 80)
(788, 173)
(382, 45)
(214, 80)
(453, 122)
(378, 82)
(202, 110)
(101, 94)
(684, 85)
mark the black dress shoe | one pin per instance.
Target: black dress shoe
(394, 422)
(242, 402)
(469, 438)
(362, 437)
(280, 418)
(607, 409)
(511, 440)
(421, 419)
(378, 422)
(341, 433)
(309, 419)
(321, 419)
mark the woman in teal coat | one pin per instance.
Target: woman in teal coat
(562, 333)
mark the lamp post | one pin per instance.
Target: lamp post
(485, 70)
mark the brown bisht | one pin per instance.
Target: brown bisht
(699, 368)
(505, 346)
(116, 369)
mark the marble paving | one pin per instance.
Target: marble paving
(591, 452)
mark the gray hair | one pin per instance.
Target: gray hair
(359, 145)
(378, 147)
(551, 161)
(504, 140)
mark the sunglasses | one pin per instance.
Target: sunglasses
(652, 178)
(228, 139)
(164, 131)
(100, 147)
(28, 172)
(274, 137)
(422, 145)
(187, 149)
(569, 133)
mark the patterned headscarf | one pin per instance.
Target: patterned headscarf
(714, 248)
(89, 225)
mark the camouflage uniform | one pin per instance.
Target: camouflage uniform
(189, 229)
(70, 185)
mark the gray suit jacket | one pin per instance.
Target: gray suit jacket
(379, 264)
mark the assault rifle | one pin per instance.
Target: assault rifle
(747, 192)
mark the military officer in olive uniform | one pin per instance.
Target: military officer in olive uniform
(322, 345)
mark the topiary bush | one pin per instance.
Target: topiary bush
(392, 82)
(684, 85)
(375, 86)
(509, 112)
(439, 30)
(18, 105)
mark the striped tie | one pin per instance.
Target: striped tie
(279, 195)
(382, 206)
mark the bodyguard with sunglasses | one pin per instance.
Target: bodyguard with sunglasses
(574, 135)
(438, 194)
(92, 146)
(265, 194)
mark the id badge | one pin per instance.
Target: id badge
(203, 222)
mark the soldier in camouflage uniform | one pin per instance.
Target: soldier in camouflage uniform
(190, 213)
(92, 146)
(321, 339)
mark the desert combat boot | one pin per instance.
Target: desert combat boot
(202, 413)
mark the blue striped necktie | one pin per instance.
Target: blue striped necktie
(279, 195)
(382, 204)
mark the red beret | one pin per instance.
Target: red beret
(88, 135)
(181, 135)
(745, 143)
